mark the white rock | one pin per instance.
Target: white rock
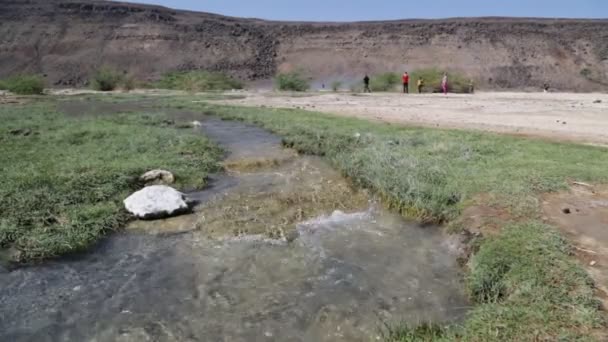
(157, 177)
(155, 201)
(196, 123)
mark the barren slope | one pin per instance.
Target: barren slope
(67, 40)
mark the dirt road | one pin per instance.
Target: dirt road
(560, 116)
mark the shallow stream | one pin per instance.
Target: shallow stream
(337, 276)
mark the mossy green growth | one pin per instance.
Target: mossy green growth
(64, 178)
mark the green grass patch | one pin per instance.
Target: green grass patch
(457, 82)
(529, 289)
(23, 85)
(524, 281)
(291, 81)
(428, 173)
(64, 179)
(198, 81)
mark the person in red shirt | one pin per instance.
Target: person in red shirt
(406, 83)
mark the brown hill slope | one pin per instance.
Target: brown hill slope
(67, 40)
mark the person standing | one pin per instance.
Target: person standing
(420, 84)
(366, 83)
(406, 83)
(444, 83)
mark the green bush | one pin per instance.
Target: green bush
(23, 85)
(291, 81)
(196, 81)
(106, 79)
(457, 83)
(336, 85)
(387, 81)
(129, 83)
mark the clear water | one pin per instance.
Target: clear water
(343, 277)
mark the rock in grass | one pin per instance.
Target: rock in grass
(196, 123)
(157, 177)
(156, 201)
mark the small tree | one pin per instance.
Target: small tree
(106, 79)
(336, 85)
(291, 81)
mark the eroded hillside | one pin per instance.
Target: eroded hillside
(68, 40)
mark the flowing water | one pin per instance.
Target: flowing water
(337, 276)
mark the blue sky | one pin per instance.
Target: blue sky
(348, 10)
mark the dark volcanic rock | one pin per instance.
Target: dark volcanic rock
(68, 40)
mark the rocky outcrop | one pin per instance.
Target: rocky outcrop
(157, 177)
(68, 40)
(156, 201)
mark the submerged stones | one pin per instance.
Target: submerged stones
(157, 177)
(156, 201)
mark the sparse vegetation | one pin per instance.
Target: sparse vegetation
(586, 72)
(523, 281)
(336, 85)
(291, 81)
(106, 79)
(128, 83)
(457, 82)
(198, 81)
(64, 178)
(385, 82)
(23, 85)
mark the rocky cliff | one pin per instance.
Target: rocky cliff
(67, 40)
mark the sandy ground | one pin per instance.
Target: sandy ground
(561, 116)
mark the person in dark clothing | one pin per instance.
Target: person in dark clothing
(366, 83)
(406, 83)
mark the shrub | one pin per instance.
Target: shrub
(336, 85)
(106, 79)
(23, 85)
(384, 82)
(457, 83)
(195, 81)
(291, 81)
(129, 83)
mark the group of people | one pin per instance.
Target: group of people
(419, 84)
